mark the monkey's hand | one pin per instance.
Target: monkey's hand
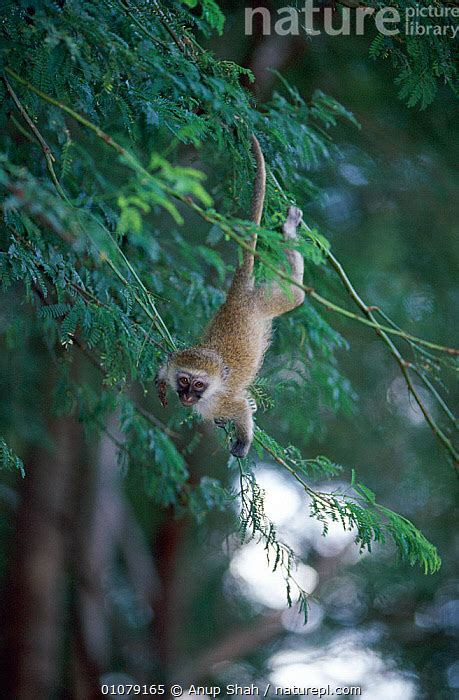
(243, 428)
(293, 220)
(240, 448)
(161, 388)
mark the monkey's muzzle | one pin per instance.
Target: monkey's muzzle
(188, 400)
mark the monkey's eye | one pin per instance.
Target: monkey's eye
(184, 381)
(198, 385)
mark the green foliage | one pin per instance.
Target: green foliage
(357, 511)
(211, 13)
(424, 53)
(209, 495)
(121, 95)
(261, 397)
(255, 525)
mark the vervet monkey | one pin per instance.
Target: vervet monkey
(214, 375)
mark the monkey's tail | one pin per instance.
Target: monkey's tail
(258, 200)
(259, 188)
(244, 273)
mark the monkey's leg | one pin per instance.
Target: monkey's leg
(243, 426)
(275, 300)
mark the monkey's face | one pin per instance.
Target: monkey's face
(190, 387)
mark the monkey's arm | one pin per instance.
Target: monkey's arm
(161, 385)
(243, 426)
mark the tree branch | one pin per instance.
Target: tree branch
(50, 159)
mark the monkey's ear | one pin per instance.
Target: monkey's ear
(225, 372)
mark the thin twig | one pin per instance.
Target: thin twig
(155, 40)
(426, 381)
(78, 117)
(310, 491)
(163, 19)
(156, 318)
(22, 130)
(46, 149)
(50, 159)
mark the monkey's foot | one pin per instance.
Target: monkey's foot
(240, 449)
(293, 220)
(253, 404)
(220, 422)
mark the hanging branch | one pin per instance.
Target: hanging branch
(359, 511)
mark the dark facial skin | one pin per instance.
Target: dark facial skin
(190, 388)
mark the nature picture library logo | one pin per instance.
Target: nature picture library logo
(413, 20)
